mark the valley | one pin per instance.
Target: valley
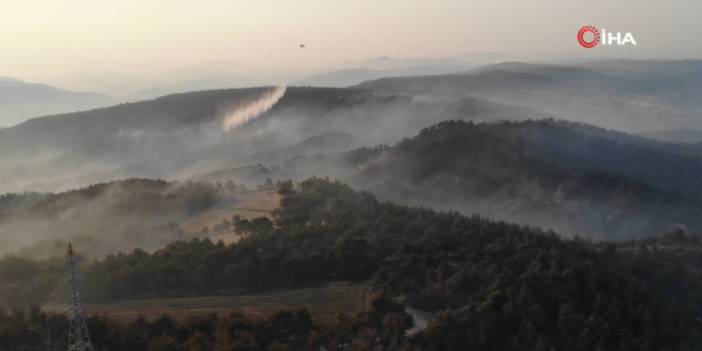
(350, 175)
(503, 200)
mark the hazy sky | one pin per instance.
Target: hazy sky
(55, 40)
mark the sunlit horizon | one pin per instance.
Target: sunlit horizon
(130, 45)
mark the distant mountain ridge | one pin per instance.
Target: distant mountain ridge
(20, 101)
(628, 95)
(385, 66)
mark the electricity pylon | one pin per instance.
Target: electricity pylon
(78, 336)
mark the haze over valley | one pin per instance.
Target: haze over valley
(353, 133)
(350, 176)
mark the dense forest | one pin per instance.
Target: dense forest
(492, 285)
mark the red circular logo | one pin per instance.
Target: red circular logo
(581, 37)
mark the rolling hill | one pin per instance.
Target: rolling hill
(576, 178)
(573, 178)
(180, 135)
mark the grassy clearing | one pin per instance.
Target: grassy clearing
(324, 303)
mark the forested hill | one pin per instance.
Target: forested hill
(496, 285)
(574, 178)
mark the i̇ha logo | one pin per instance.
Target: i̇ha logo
(590, 36)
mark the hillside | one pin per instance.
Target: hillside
(20, 101)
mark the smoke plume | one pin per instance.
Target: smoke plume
(253, 109)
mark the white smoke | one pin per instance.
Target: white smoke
(253, 109)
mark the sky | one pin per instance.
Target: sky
(80, 43)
